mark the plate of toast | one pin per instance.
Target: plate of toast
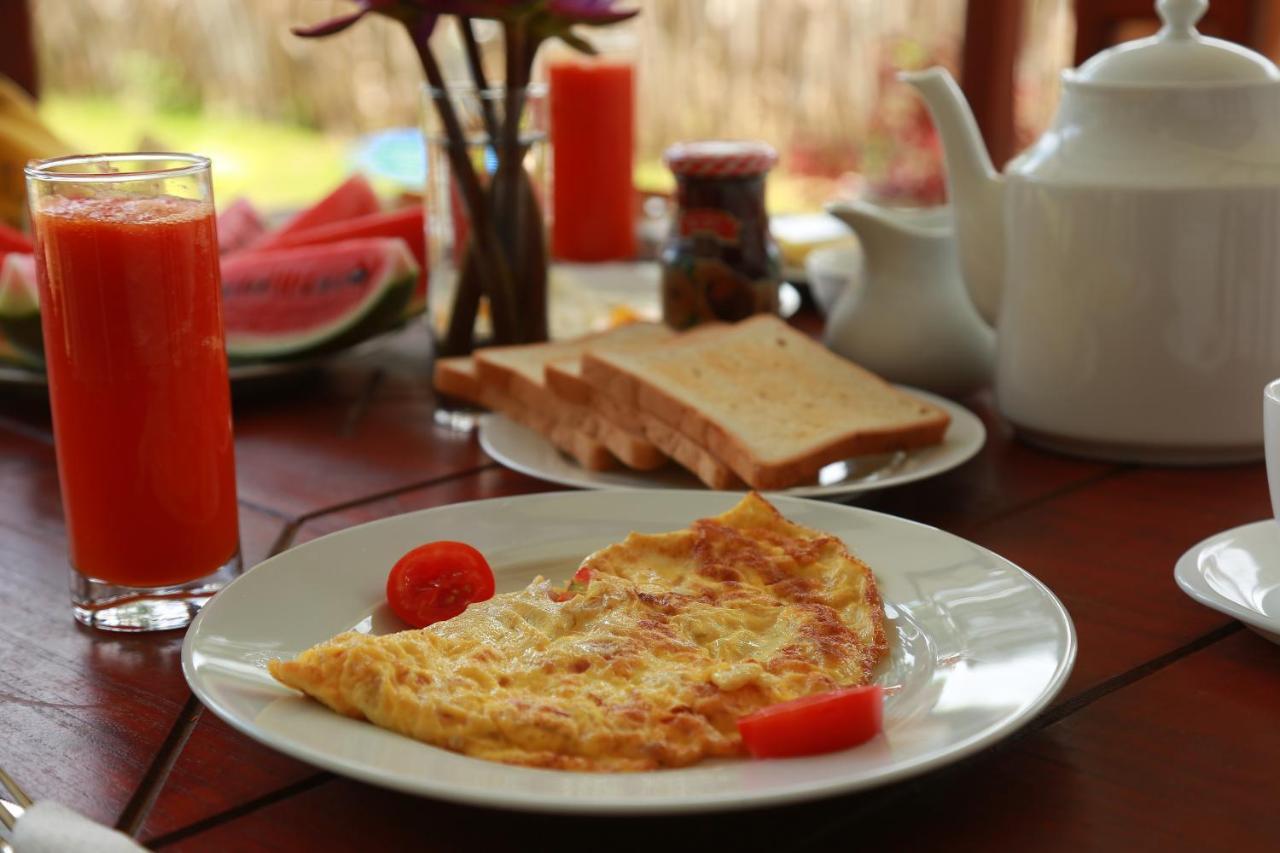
(755, 404)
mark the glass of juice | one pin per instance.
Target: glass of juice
(131, 306)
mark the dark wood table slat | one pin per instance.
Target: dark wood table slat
(81, 713)
(1108, 551)
(1183, 759)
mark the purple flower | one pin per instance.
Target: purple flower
(591, 12)
(551, 17)
(419, 16)
(557, 18)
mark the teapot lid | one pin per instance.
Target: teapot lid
(1178, 55)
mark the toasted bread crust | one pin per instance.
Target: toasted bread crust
(637, 452)
(461, 377)
(620, 378)
(566, 382)
(698, 460)
(570, 428)
(706, 467)
(457, 377)
(640, 402)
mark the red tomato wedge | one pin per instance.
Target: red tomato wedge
(437, 581)
(578, 583)
(825, 722)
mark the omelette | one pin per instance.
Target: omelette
(647, 660)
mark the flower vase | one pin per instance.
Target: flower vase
(467, 308)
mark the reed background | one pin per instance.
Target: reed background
(814, 77)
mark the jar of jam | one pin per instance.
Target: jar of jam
(719, 262)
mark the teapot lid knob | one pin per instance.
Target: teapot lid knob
(1177, 56)
(1180, 17)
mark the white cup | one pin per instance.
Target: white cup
(1271, 432)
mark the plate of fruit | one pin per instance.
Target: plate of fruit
(334, 275)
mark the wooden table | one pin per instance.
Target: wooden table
(1165, 737)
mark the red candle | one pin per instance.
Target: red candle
(592, 142)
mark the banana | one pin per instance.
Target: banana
(23, 137)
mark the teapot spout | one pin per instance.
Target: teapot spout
(975, 188)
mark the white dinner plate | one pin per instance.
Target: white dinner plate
(977, 648)
(524, 450)
(1237, 572)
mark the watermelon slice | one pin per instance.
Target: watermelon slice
(238, 226)
(13, 240)
(309, 300)
(353, 197)
(20, 307)
(406, 223)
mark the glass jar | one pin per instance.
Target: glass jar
(719, 262)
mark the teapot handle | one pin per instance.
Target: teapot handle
(1180, 17)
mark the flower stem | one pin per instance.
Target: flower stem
(509, 153)
(476, 65)
(519, 219)
(490, 259)
(460, 337)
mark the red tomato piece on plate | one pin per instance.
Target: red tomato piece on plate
(437, 581)
(577, 584)
(825, 722)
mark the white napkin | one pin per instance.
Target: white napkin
(47, 827)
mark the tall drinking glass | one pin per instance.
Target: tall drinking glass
(130, 296)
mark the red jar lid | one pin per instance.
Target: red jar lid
(720, 158)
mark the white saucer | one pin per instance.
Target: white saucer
(1237, 572)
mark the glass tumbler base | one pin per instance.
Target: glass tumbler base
(461, 420)
(112, 607)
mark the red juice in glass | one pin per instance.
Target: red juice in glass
(592, 147)
(130, 301)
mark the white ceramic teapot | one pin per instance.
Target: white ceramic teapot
(1131, 256)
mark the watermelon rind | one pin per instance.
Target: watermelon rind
(405, 223)
(380, 310)
(20, 310)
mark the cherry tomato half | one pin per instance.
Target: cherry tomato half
(825, 722)
(437, 581)
(578, 583)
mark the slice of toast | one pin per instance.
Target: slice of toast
(564, 378)
(518, 372)
(460, 377)
(704, 465)
(522, 371)
(771, 403)
(564, 375)
(457, 377)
